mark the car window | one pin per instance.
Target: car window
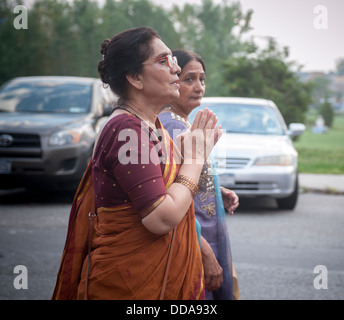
(46, 97)
(239, 118)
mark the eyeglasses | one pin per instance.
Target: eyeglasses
(170, 61)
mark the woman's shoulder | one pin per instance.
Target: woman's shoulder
(118, 125)
(171, 121)
(124, 122)
(165, 116)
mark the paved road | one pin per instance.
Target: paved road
(32, 233)
(275, 252)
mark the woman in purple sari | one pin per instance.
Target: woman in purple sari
(211, 199)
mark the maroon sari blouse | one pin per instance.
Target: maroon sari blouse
(128, 165)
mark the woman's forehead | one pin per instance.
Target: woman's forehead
(193, 66)
(160, 48)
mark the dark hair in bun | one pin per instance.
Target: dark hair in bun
(124, 54)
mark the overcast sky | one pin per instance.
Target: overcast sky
(312, 29)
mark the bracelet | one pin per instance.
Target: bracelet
(189, 183)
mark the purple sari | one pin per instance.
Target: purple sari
(209, 212)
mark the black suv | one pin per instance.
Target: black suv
(48, 127)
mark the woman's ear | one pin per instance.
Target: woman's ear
(135, 80)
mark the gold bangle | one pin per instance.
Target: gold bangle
(189, 183)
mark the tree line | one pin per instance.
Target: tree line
(63, 38)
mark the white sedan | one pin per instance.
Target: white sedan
(255, 156)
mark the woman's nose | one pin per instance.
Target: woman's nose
(199, 86)
(176, 68)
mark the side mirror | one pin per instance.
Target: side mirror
(296, 129)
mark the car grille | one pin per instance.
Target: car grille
(237, 163)
(224, 164)
(232, 163)
(22, 146)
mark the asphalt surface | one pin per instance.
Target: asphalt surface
(275, 252)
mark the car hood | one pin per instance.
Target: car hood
(251, 145)
(19, 122)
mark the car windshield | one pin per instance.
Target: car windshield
(249, 119)
(45, 97)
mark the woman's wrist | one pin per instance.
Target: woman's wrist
(191, 170)
(189, 183)
(194, 160)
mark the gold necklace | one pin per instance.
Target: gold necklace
(179, 118)
(176, 116)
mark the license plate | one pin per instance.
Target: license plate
(227, 179)
(5, 166)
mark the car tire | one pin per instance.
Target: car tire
(289, 203)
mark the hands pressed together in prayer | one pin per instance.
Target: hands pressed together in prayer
(197, 142)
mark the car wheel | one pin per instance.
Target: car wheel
(289, 203)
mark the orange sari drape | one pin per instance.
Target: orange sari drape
(127, 261)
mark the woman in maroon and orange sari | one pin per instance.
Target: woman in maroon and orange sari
(141, 191)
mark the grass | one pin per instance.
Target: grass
(322, 153)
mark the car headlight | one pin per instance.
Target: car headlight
(282, 160)
(65, 137)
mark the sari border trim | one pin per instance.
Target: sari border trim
(201, 285)
(143, 214)
(146, 212)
